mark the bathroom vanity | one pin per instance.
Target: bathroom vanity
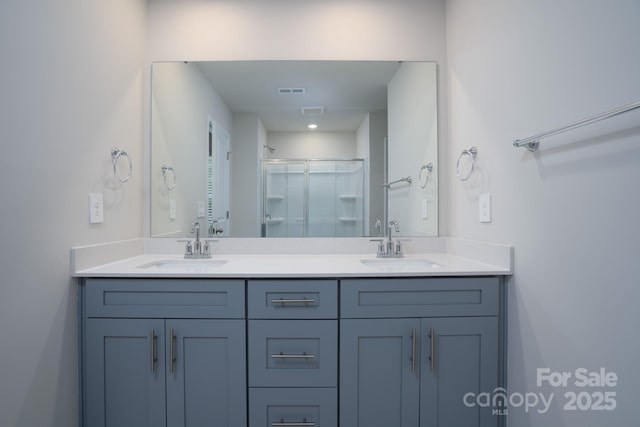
(263, 345)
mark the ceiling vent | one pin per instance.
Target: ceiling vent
(291, 90)
(312, 111)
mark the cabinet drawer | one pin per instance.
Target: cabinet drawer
(166, 298)
(424, 297)
(292, 299)
(300, 353)
(293, 407)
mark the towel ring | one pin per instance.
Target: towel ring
(165, 171)
(472, 153)
(428, 167)
(116, 153)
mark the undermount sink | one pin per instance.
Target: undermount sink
(192, 265)
(399, 264)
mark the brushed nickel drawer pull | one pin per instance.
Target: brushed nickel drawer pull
(304, 423)
(413, 350)
(432, 350)
(172, 353)
(154, 357)
(293, 356)
(293, 301)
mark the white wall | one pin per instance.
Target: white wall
(246, 151)
(182, 102)
(362, 139)
(362, 152)
(370, 146)
(72, 88)
(411, 30)
(313, 145)
(570, 210)
(413, 142)
(377, 134)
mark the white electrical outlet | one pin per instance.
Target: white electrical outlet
(200, 210)
(172, 209)
(484, 207)
(425, 211)
(96, 208)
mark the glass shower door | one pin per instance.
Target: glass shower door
(284, 199)
(313, 198)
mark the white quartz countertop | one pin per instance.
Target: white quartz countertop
(290, 257)
(318, 265)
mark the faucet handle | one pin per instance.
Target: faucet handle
(188, 248)
(207, 247)
(398, 249)
(380, 246)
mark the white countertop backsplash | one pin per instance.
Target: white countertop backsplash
(292, 257)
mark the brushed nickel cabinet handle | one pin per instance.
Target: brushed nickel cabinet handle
(413, 350)
(154, 357)
(293, 301)
(432, 350)
(293, 356)
(172, 353)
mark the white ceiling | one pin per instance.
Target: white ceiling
(347, 90)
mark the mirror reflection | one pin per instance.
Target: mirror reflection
(293, 148)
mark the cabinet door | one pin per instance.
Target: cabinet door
(124, 373)
(206, 373)
(379, 372)
(460, 357)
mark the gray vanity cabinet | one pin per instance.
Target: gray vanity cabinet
(460, 357)
(122, 385)
(374, 352)
(293, 353)
(410, 349)
(206, 385)
(378, 384)
(184, 366)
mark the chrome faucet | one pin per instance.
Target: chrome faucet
(197, 250)
(392, 249)
(197, 245)
(390, 244)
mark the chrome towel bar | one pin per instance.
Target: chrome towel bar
(533, 142)
(389, 184)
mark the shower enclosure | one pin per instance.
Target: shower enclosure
(313, 198)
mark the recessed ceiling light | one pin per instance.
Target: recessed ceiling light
(312, 126)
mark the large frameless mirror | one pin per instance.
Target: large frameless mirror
(294, 148)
